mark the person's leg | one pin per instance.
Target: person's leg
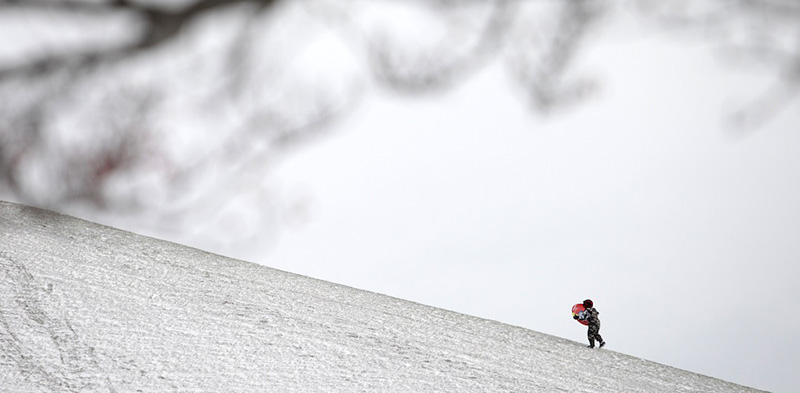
(598, 337)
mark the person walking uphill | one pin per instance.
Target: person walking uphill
(590, 315)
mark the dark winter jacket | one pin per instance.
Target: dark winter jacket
(590, 315)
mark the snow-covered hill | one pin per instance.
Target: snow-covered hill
(84, 307)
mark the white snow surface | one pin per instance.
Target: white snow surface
(85, 307)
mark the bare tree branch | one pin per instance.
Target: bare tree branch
(438, 67)
(159, 27)
(765, 33)
(542, 63)
(180, 76)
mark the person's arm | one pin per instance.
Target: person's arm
(583, 315)
(591, 315)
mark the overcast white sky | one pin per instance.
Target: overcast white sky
(685, 236)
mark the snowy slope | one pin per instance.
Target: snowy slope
(85, 307)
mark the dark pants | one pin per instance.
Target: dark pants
(594, 333)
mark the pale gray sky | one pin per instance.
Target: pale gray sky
(641, 198)
(685, 236)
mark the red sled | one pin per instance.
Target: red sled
(576, 309)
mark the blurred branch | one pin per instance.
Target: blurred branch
(542, 63)
(440, 65)
(159, 27)
(763, 108)
(760, 32)
(189, 106)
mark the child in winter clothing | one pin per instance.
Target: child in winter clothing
(590, 314)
